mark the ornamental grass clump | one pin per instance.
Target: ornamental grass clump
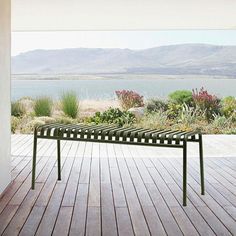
(190, 116)
(17, 109)
(43, 106)
(69, 104)
(206, 102)
(129, 99)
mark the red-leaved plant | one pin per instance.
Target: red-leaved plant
(206, 102)
(129, 99)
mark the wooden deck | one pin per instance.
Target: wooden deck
(120, 190)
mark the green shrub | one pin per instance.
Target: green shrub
(228, 106)
(43, 106)
(69, 103)
(207, 103)
(17, 109)
(174, 110)
(155, 105)
(113, 116)
(129, 99)
(181, 97)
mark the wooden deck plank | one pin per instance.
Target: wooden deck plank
(109, 225)
(123, 219)
(180, 215)
(50, 215)
(94, 184)
(34, 218)
(152, 218)
(54, 204)
(79, 216)
(63, 221)
(137, 216)
(78, 221)
(9, 194)
(124, 223)
(85, 173)
(223, 192)
(50, 178)
(199, 223)
(23, 139)
(118, 191)
(169, 223)
(109, 189)
(6, 216)
(212, 219)
(22, 160)
(219, 215)
(93, 225)
(20, 187)
(22, 213)
(70, 193)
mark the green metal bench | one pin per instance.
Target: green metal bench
(120, 135)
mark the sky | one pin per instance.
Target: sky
(28, 41)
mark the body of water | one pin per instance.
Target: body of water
(105, 88)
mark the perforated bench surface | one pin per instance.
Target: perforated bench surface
(112, 133)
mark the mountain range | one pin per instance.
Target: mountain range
(182, 59)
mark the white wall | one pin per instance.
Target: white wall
(122, 14)
(5, 29)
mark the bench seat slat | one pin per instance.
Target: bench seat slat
(164, 136)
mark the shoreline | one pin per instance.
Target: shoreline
(116, 76)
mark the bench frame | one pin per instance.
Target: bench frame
(183, 146)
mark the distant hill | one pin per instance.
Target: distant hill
(199, 59)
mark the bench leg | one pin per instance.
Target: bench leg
(201, 164)
(59, 159)
(34, 162)
(185, 173)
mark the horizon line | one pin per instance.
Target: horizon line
(125, 48)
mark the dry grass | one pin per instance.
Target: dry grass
(185, 121)
(89, 107)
